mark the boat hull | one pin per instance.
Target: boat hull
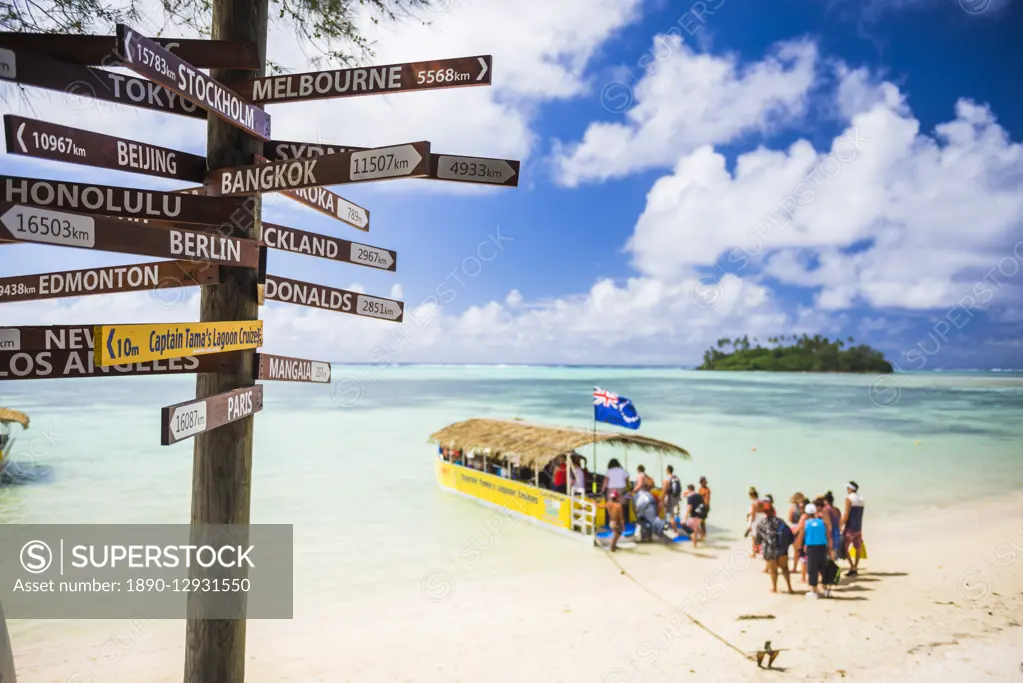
(545, 509)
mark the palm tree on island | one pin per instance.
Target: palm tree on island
(803, 354)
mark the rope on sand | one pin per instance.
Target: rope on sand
(692, 620)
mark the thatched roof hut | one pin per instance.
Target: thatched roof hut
(8, 416)
(536, 445)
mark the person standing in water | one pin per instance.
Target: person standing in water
(852, 526)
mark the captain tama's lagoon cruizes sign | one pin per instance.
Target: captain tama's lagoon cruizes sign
(208, 228)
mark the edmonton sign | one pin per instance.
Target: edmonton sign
(108, 280)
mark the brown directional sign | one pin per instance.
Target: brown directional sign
(317, 85)
(184, 420)
(99, 50)
(59, 228)
(108, 280)
(38, 70)
(452, 167)
(329, 298)
(381, 163)
(286, 369)
(47, 338)
(43, 140)
(73, 364)
(280, 150)
(333, 248)
(146, 58)
(107, 200)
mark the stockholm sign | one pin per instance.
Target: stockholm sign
(148, 59)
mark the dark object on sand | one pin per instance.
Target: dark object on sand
(768, 652)
(746, 617)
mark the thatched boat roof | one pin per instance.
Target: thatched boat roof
(537, 445)
(8, 415)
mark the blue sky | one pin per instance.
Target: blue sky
(690, 171)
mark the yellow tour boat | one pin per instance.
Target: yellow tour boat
(504, 464)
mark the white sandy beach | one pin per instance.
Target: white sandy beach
(940, 597)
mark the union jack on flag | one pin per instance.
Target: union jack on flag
(604, 398)
(614, 409)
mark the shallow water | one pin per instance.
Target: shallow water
(357, 481)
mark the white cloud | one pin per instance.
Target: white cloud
(688, 100)
(930, 213)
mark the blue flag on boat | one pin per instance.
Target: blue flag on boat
(614, 409)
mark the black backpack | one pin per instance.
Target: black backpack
(785, 537)
(675, 487)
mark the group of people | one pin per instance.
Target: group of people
(653, 513)
(817, 531)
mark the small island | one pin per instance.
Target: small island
(790, 353)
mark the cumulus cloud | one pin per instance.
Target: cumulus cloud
(687, 100)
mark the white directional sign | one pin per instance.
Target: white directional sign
(384, 309)
(52, 227)
(188, 420)
(385, 162)
(476, 170)
(371, 256)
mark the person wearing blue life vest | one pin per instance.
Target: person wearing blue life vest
(815, 535)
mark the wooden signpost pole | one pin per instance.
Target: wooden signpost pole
(222, 459)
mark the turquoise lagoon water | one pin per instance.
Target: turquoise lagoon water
(350, 468)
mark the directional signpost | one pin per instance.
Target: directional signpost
(63, 143)
(285, 369)
(214, 234)
(184, 420)
(21, 223)
(108, 280)
(377, 80)
(139, 343)
(380, 163)
(148, 59)
(332, 299)
(311, 244)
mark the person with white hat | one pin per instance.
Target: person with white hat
(815, 535)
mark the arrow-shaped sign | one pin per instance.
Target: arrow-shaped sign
(184, 420)
(21, 140)
(150, 60)
(373, 80)
(291, 291)
(324, 246)
(399, 161)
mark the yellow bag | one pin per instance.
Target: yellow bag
(863, 549)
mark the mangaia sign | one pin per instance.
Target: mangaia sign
(116, 344)
(184, 420)
(286, 369)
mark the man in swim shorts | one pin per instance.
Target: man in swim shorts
(852, 526)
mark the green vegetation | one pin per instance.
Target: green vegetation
(802, 354)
